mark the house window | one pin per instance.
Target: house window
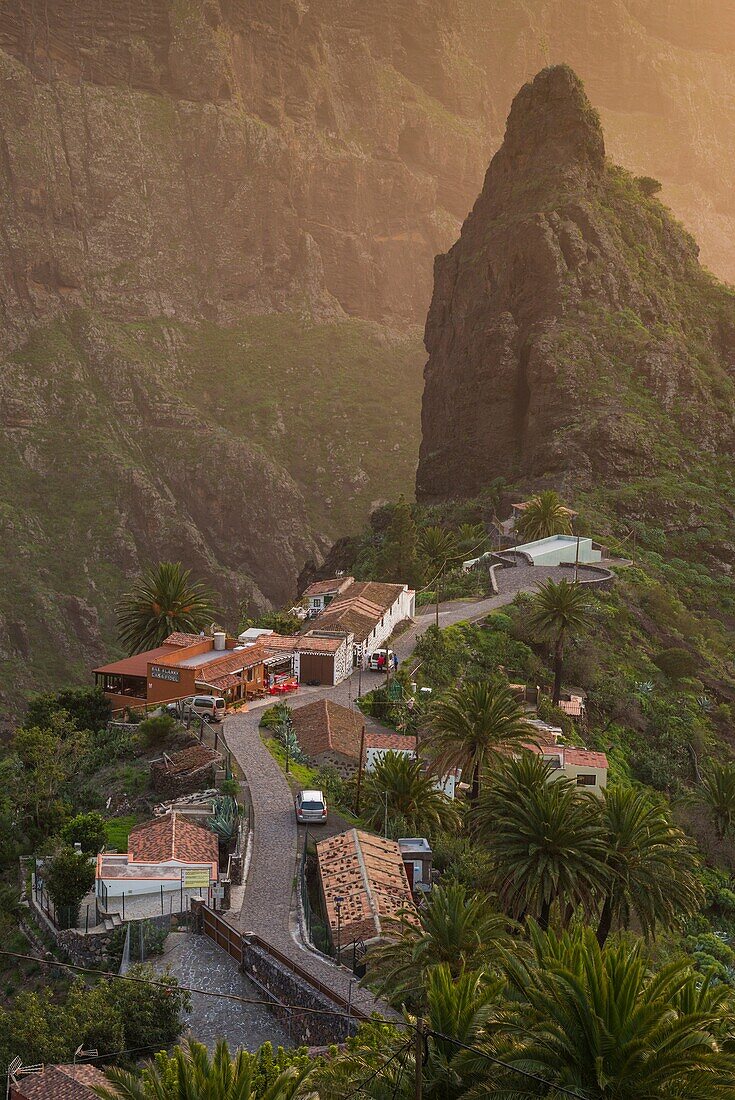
(555, 761)
(586, 780)
(251, 672)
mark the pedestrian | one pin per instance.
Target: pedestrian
(395, 662)
(381, 662)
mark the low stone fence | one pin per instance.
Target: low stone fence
(592, 575)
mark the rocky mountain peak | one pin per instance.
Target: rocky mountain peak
(552, 126)
(572, 335)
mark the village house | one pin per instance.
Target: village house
(319, 657)
(583, 766)
(257, 663)
(330, 736)
(171, 854)
(363, 882)
(321, 593)
(370, 611)
(57, 1083)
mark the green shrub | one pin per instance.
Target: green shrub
(158, 730)
(676, 663)
(87, 830)
(68, 877)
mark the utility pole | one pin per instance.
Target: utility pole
(419, 1060)
(576, 563)
(385, 820)
(359, 770)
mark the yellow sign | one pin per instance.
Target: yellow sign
(193, 879)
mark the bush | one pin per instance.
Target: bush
(88, 708)
(158, 730)
(648, 185)
(87, 830)
(68, 877)
(676, 663)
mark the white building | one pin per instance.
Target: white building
(369, 610)
(169, 854)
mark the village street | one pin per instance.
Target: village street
(269, 907)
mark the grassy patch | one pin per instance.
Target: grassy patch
(117, 830)
(299, 774)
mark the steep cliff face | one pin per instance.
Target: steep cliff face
(215, 215)
(572, 335)
(211, 158)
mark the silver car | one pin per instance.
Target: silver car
(311, 808)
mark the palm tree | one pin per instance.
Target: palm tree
(603, 1023)
(453, 927)
(717, 795)
(472, 538)
(190, 1073)
(399, 789)
(544, 515)
(472, 723)
(162, 601)
(652, 864)
(436, 548)
(557, 612)
(545, 837)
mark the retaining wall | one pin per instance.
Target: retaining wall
(280, 984)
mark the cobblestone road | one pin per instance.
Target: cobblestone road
(270, 900)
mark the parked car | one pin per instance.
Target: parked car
(374, 660)
(311, 808)
(209, 707)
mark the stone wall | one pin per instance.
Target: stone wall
(280, 984)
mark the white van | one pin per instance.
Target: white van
(210, 707)
(374, 660)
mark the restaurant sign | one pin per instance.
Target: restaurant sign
(160, 672)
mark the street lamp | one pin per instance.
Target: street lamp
(338, 905)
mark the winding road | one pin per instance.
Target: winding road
(269, 907)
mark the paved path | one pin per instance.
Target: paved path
(270, 902)
(197, 961)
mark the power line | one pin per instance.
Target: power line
(507, 1065)
(194, 989)
(379, 1070)
(298, 1008)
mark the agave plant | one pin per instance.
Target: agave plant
(224, 822)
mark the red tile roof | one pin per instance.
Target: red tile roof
(172, 837)
(584, 758)
(137, 665)
(360, 607)
(182, 640)
(333, 584)
(324, 725)
(391, 742)
(367, 873)
(61, 1083)
(574, 707)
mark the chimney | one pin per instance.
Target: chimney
(219, 640)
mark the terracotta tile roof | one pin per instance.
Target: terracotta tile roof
(172, 837)
(574, 707)
(361, 607)
(61, 1083)
(584, 758)
(183, 640)
(137, 665)
(197, 756)
(570, 754)
(234, 660)
(333, 584)
(367, 872)
(326, 725)
(315, 642)
(391, 742)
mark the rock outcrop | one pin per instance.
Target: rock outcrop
(573, 335)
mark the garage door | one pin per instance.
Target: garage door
(314, 666)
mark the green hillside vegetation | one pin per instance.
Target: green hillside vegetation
(243, 450)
